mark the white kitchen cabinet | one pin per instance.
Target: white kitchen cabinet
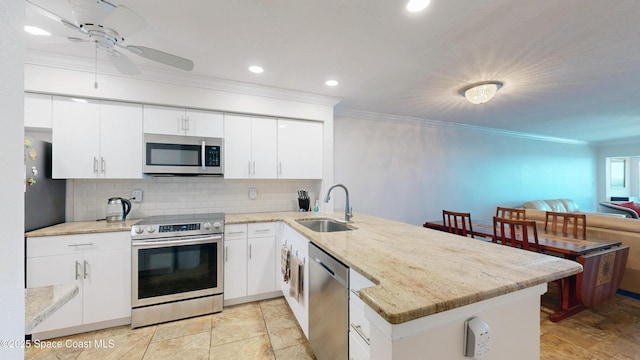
(101, 266)
(235, 261)
(298, 246)
(359, 327)
(249, 260)
(300, 145)
(37, 110)
(261, 275)
(179, 121)
(96, 139)
(251, 147)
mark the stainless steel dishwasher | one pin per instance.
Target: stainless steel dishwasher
(328, 306)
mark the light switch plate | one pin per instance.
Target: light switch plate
(253, 193)
(476, 338)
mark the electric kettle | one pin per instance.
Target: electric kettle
(117, 209)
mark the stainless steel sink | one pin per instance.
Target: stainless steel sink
(325, 225)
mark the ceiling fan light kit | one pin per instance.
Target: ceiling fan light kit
(106, 25)
(480, 93)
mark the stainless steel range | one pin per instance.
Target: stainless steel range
(176, 264)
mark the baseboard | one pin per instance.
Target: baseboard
(628, 294)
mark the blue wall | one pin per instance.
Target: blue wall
(409, 170)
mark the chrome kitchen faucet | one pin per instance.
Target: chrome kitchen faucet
(347, 207)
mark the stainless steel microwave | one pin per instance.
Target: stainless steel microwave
(182, 155)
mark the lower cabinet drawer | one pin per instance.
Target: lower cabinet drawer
(358, 349)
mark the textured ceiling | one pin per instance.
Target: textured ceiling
(570, 68)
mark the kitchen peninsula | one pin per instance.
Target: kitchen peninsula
(428, 283)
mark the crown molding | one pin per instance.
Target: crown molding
(175, 77)
(368, 115)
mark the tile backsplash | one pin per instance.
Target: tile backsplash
(87, 199)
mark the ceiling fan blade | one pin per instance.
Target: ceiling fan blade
(124, 21)
(54, 16)
(122, 63)
(161, 57)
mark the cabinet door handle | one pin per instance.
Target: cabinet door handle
(226, 254)
(254, 169)
(358, 329)
(249, 167)
(262, 230)
(280, 168)
(235, 232)
(203, 156)
(77, 271)
(102, 164)
(95, 165)
(186, 121)
(86, 269)
(84, 244)
(249, 251)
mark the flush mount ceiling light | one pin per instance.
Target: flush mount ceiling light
(417, 5)
(256, 69)
(331, 82)
(480, 93)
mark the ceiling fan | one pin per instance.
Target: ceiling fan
(107, 25)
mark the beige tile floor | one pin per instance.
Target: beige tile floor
(268, 330)
(261, 330)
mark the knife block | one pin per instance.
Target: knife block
(303, 204)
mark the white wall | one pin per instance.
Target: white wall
(12, 181)
(410, 170)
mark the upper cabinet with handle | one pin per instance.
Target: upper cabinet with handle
(251, 147)
(96, 139)
(178, 121)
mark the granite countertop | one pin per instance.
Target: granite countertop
(419, 271)
(41, 302)
(83, 227)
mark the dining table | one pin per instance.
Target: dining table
(603, 262)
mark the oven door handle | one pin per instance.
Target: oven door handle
(161, 243)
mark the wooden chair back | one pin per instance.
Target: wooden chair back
(516, 233)
(510, 213)
(458, 223)
(568, 224)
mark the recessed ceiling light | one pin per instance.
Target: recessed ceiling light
(331, 82)
(36, 31)
(256, 69)
(417, 5)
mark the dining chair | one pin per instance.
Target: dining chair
(574, 222)
(520, 234)
(458, 223)
(516, 233)
(510, 213)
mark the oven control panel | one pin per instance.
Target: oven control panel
(179, 228)
(169, 226)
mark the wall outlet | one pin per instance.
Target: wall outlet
(253, 193)
(476, 338)
(136, 196)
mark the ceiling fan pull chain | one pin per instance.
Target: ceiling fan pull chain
(95, 84)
